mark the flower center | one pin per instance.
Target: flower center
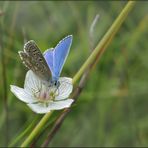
(45, 94)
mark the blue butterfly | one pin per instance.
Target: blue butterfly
(49, 67)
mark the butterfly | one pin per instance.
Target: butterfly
(46, 66)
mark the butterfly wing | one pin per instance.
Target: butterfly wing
(48, 55)
(60, 54)
(34, 60)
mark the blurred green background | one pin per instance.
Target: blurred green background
(113, 108)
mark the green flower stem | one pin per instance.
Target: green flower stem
(36, 130)
(110, 34)
(27, 130)
(102, 45)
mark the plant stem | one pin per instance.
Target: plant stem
(108, 36)
(64, 113)
(25, 131)
(36, 130)
(77, 92)
(4, 82)
(111, 32)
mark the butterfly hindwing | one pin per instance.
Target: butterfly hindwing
(34, 60)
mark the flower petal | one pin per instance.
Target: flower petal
(65, 88)
(57, 105)
(22, 94)
(41, 108)
(31, 81)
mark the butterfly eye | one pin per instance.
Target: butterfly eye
(57, 83)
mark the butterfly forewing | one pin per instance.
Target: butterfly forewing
(56, 57)
(34, 60)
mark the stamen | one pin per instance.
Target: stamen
(45, 94)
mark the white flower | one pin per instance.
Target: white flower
(41, 98)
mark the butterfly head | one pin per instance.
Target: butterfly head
(55, 83)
